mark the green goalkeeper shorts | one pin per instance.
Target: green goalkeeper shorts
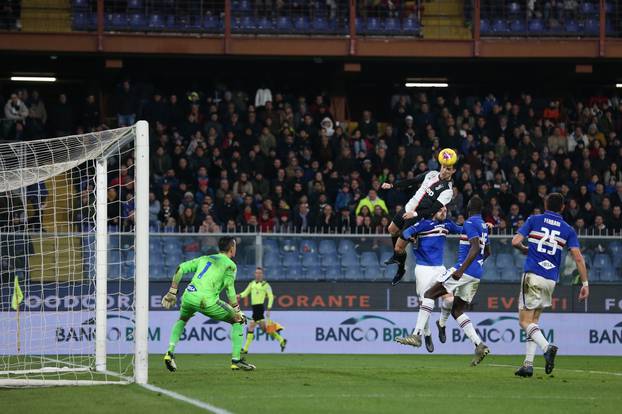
(220, 311)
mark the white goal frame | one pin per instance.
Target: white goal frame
(141, 283)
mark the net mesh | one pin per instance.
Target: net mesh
(48, 226)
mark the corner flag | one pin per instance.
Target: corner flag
(18, 295)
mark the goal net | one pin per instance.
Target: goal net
(74, 259)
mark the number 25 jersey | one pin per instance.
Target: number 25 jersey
(547, 235)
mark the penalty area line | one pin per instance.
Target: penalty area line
(584, 371)
(188, 400)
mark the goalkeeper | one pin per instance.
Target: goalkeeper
(212, 274)
(259, 289)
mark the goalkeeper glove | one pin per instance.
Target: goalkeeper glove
(169, 300)
(240, 314)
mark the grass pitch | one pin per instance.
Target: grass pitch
(347, 384)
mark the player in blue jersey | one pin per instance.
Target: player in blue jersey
(462, 280)
(547, 235)
(429, 251)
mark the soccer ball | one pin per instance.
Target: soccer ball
(447, 157)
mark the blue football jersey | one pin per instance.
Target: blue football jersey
(474, 226)
(547, 235)
(431, 235)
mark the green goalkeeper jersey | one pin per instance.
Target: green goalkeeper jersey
(212, 274)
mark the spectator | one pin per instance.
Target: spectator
(90, 117)
(371, 201)
(62, 117)
(37, 116)
(126, 104)
(154, 209)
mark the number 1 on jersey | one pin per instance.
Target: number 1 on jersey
(204, 270)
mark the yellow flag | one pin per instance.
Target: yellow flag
(18, 295)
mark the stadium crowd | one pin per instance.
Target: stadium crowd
(275, 162)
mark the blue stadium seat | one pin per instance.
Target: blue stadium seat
(292, 273)
(172, 245)
(333, 273)
(116, 21)
(288, 245)
(348, 260)
(327, 246)
(271, 260)
(392, 25)
(211, 23)
(270, 246)
(519, 262)
(271, 272)
(308, 246)
(588, 260)
(373, 25)
(113, 242)
(591, 27)
(134, 5)
(310, 259)
(499, 26)
(411, 27)
(139, 22)
(245, 272)
(389, 271)
(80, 21)
(615, 248)
(158, 272)
(484, 26)
(242, 6)
(329, 260)
(291, 259)
(156, 22)
(128, 269)
(491, 273)
(536, 26)
(352, 272)
(588, 9)
(172, 260)
(504, 261)
(283, 24)
(384, 256)
(514, 9)
(114, 256)
(372, 273)
(302, 24)
(616, 261)
(369, 259)
(517, 26)
(320, 24)
(601, 261)
(129, 256)
(264, 25)
(346, 247)
(609, 275)
(80, 4)
(313, 272)
(243, 24)
(572, 27)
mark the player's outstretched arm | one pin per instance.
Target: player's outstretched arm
(578, 258)
(517, 243)
(169, 300)
(473, 252)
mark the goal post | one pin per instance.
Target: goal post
(74, 268)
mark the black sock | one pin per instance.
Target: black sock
(394, 240)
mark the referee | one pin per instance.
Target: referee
(259, 289)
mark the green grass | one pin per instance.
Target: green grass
(347, 384)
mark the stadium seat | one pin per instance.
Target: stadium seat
(609, 275)
(587, 9)
(308, 246)
(536, 26)
(320, 24)
(245, 272)
(270, 246)
(329, 260)
(615, 248)
(373, 25)
(80, 21)
(372, 273)
(291, 259)
(517, 26)
(504, 261)
(134, 5)
(292, 273)
(384, 256)
(499, 27)
(411, 27)
(128, 256)
(114, 256)
(313, 272)
(301, 24)
(139, 22)
(156, 22)
(242, 6)
(333, 273)
(115, 21)
(369, 259)
(349, 260)
(514, 9)
(172, 260)
(601, 262)
(310, 259)
(389, 271)
(244, 24)
(283, 24)
(271, 260)
(346, 246)
(80, 4)
(211, 23)
(591, 27)
(616, 261)
(264, 25)
(484, 26)
(288, 245)
(352, 272)
(491, 273)
(327, 246)
(391, 25)
(572, 27)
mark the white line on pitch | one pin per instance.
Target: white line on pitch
(585, 371)
(192, 401)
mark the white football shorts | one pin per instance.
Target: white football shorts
(426, 276)
(536, 292)
(465, 288)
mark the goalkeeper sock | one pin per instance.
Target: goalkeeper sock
(178, 329)
(530, 346)
(425, 310)
(466, 325)
(277, 337)
(533, 332)
(249, 338)
(446, 306)
(237, 336)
